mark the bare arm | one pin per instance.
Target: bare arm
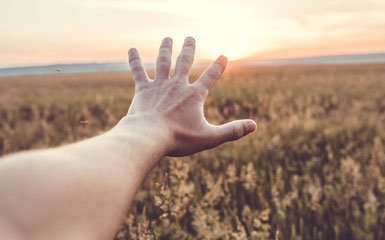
(83, 190)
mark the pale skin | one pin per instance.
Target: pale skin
(83, 190)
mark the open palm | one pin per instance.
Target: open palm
(176, 105)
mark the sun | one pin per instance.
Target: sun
(222, 28)
(233, 49)
(228, 38)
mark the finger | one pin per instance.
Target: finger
(234, 130)
(212, 74)
(186, 57)
(163, 62)
(136, 66)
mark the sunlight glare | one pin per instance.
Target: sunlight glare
(224, 29)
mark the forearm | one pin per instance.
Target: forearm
(72, 191)
(82, 190)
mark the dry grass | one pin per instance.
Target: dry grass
(314, 170)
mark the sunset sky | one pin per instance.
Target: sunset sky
(36, 32)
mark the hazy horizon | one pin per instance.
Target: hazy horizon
(47, 32)
(123, 66)
(208, 61)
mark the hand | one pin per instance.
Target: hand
(176, 106)
(165, 118)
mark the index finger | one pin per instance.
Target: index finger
(212, 74)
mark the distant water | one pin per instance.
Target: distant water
(123, 66)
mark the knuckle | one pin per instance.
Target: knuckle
(189, 44)
(170, 91)
(136, 68)
(133, 57)
(186, 58)
(213, 73)
(135, 62)
(202, 91)
(139, 87)
(190, 94)
(164, 51)
(238, 132)
(165, 46)
(163, 58)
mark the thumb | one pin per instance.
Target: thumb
(234, 130)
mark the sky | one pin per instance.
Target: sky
(40, 32)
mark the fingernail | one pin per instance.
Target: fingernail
(222, 58)
(251, 126)
(189, 39)
(167, 39)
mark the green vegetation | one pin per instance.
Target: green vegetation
(315, 169)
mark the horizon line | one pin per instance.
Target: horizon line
(201, 61)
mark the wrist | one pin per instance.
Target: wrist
(150, 137)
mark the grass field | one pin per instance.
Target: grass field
(315, 169)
